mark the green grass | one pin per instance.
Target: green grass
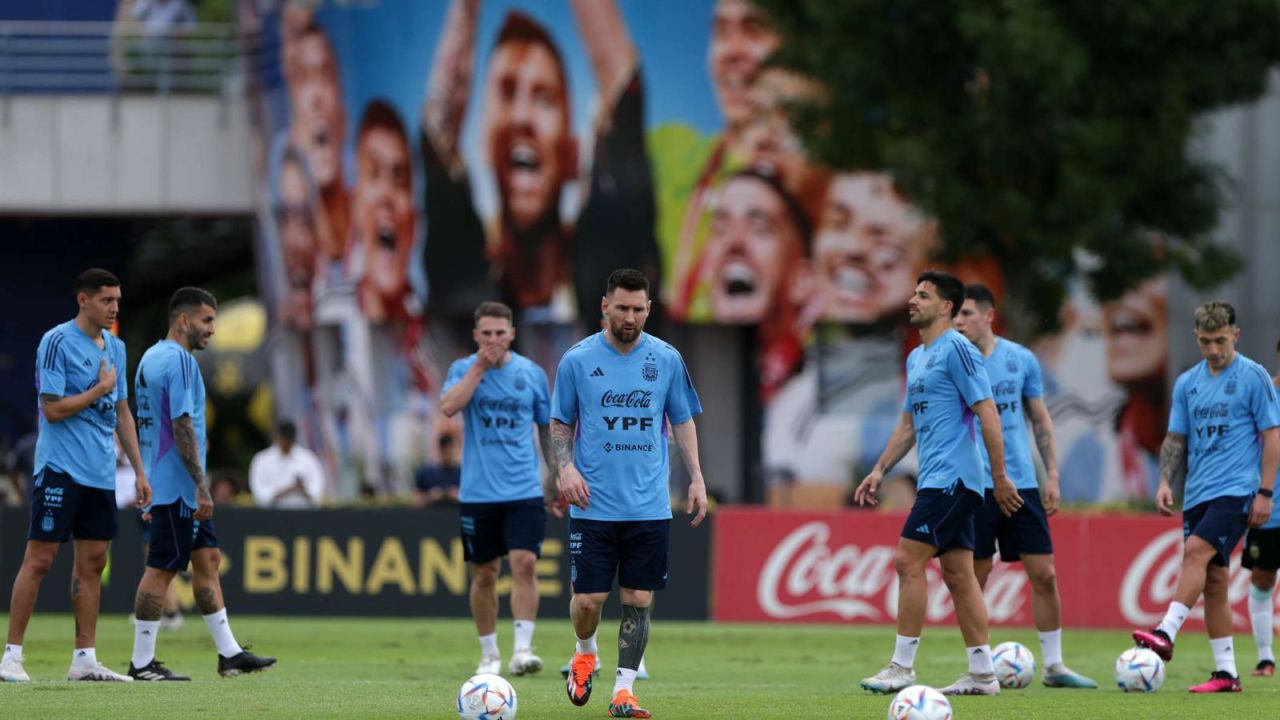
(368, 668)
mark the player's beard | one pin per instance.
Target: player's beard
(625, 334)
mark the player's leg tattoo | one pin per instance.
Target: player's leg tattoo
(207, 601)
(633, 636)
(148, 606)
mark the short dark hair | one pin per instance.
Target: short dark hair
(489, 308)
(949, 287)
(380, 114)
(627, 279)
(519, 27)
(94, 279)
(287, 430)
(795, 212)
(189, 298)
(980, 294)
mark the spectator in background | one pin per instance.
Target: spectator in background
(286, 475)
(163, 18)
(19, 465)
(228, 490)
(438, 484)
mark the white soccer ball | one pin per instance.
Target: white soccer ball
(920, 702)
(487, 697)
(1139, 670)
(1015, 665)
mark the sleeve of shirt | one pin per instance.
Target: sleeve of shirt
(969, 372)
(564, 397)
(121, 360)
(50, 359)
(314, 477)
(1178, 411)
(180, 384)
(541, 398)
(1266, 409)
(260, 482)
(456, 371)
(1032, 382)
(682, 399)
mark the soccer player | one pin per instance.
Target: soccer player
(501, 394)
(1220, 407)
(1014, 374)
(170, 393)
(619, 387)
(74, 497)
(1262, 557)
(947, 388)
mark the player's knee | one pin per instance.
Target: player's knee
(587, 604)
(91, 564)
(522, 565)
(957, 576)
(906, 565)
(206, 562)
(38, 564)
(1044, 579)
(1264, 579)
(484, 575)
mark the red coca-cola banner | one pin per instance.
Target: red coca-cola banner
(1114, 571)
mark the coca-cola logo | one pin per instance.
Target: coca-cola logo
(506, 404)
(805, 576)
(1152, 578)
(633, 399)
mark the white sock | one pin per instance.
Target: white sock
(1224, 657)
(1173, 619)
(84, 656)
(489, 645)
(220, 629)
(588, 646)
(12, 652)
(1262, 619)
(904, 650)
(144, 642)
(524, 634)
(1051, 647)
(625, 680)
(980, 660)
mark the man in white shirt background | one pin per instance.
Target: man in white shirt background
(286, 475)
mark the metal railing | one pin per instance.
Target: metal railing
(119, 57)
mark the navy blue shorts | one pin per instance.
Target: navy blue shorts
(1221, 522)
(943, 518)
(1262, 549)
(1025, 533)
(491, 530)
(62, 509)
(635, 551)
(175, 534)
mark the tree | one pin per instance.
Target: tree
(1034, 128)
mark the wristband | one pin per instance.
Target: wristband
(1264, 492)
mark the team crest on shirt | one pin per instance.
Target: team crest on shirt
(649, 372)
(933, 360)
(1231, 387)
(520, 383)
(1011, 364)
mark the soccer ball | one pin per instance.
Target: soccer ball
(920, 702)
(487, 697)
(1015, 665)
(1139, 670)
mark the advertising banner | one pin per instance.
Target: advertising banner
(353, 562)
(1114, 571)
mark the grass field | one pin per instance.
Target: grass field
(367, 668)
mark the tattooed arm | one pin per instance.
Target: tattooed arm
(573, 487)
(1173, 469)
(550, 487)
(1042, 428)
(188, 447)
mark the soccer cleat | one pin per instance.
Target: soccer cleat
(579, 685)
(626, 705)
(1156, 640)
(1266, 668)
(524, 662)
(1061, 676)
(11, 670)
(564, 669)
(244, 662)
(641, 672)
(973, 684)
(155, 671)
(95, 673)
(489, 665)
(891, 679)
(1219, 681)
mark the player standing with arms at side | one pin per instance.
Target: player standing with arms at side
(619, 387)
(947, 389)
(170, 393)
(501, 395)
(1014, 373)
(78, 365)
(1220, 408)
(1262, 558)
